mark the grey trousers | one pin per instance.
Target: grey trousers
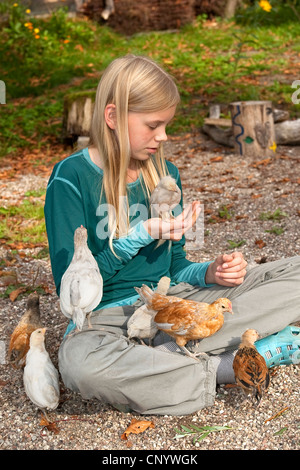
(103, 363)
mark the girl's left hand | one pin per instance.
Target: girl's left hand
(227, 270)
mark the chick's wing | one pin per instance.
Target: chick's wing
(182, 316)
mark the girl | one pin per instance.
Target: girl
(106, 188)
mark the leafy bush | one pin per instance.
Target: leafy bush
(279, 12)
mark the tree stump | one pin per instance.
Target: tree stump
(253, 128)
(78, 111)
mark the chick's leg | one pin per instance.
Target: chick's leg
(89, 319)
(190, 354)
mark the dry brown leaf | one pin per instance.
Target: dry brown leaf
(51, 426)
(263, 162)
(8, 278)
(217, 159)
(137, 427)
(15, 293)
(260, 243)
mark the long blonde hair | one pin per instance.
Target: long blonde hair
(133, 84)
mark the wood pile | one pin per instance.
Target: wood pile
(133, 16)
(286, 131)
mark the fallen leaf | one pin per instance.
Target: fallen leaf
(50, 426)
(217, 159)
(15, 293)
(8, 278)
(263, 162)
(137, 427)
(260, 243)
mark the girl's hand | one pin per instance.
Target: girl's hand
(227, 270)
(173, 229)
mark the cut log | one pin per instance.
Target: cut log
(219, 135)
(253, 128)
(218, 122)
(78, 111)
(288, 132)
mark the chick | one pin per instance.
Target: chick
(141, 324)
(250, 368)
(164, 198)
(19, 340)
(81, 287)
(185, 320)
(41, 380)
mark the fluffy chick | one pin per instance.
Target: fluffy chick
(19, 340)
(250, 368)
(81, 287)
(141, 324)
(185, 320)
(41, 379)
(164, 198)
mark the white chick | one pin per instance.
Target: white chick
(141, 324)
(164, 198)
(41, 380)
(82, 284)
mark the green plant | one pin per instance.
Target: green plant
(232, 244)
(199, 432)
(276, 215)
(225, 213)
(276, 230)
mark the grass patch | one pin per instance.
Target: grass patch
(210, 64)
(24, 224)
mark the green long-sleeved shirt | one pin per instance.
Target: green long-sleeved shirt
(73, 199)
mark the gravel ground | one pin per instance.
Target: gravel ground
(234, 192)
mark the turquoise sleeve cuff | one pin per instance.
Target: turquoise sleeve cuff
(124, 248)
(194, 274)
(128, 246)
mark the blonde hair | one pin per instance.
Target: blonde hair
(133, 84)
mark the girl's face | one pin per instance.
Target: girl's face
(147, 131)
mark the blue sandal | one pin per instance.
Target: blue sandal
(282, 348)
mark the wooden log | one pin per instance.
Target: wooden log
(219, 135)
(288, 132)
(78, 111)
(253, 128)
(218, 122)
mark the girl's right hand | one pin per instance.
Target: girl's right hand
(175, 228)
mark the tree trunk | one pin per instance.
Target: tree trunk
(230, 8)
(78, 110)
(253, 128)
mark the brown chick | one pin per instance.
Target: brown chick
(141, 323)
(185, 320)
(250, 369)
(20, 338)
